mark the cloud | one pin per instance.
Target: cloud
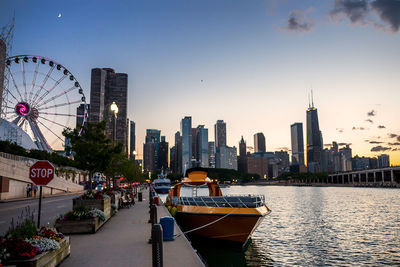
(381, 127)
(369, 120)
(394, 144)
(392, 135)
(371, 113)
(389, 12)
(340, 130)
(379, 149)
(355, 10)
(298, 21)
(398, 138)
(375, 142)
(396, 149)
(358, 128)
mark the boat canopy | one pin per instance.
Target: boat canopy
(197, 177)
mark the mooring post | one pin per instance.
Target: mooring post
(157, 245)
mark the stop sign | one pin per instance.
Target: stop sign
(41, 172)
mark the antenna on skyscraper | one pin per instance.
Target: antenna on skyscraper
(309, 100)
(312, 99)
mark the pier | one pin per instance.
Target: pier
(382, 176)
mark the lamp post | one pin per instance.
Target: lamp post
(114, 110)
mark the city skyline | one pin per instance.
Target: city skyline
(251, 64)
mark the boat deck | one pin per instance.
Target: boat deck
(249, 201)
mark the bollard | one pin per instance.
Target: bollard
(157, 245)
(140, 197)
(153, 214)
(150, 197)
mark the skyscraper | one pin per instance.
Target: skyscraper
(242, 147)
(154, 136)
(162, 154)
(178, 152)
(148, 157)
(80, 112)
(242, 158)
(226, 157)
(108, 87)
(314, 140)
(186, 130)
(296, 133)
(220, 133)
(211, 154)
(132, 147)
(259, 143)
(202, 146)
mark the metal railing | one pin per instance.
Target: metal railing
(232, 201)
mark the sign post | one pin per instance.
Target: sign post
(41, 173)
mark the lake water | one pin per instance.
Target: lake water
(318, 226)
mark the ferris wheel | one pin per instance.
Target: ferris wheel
(43, 98)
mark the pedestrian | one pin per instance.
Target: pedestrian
(35, 188)
(28, 190)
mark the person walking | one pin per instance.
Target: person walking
(28, 190)
(35, 188)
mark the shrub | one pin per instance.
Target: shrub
(26, 229)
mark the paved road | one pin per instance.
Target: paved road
(51, 208)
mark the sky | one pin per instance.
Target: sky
(251, 63)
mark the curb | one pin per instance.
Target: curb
(36, 198)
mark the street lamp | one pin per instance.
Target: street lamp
(114, 110)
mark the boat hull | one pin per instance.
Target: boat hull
(235, 228)
(162, 190)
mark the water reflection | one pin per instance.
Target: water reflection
(317, 226)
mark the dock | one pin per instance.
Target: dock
(123, 241)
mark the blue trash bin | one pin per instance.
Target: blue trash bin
(168, 223)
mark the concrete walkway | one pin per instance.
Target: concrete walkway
(123, 241)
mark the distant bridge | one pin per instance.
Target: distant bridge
(388, 175)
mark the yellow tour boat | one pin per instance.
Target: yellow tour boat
(231, 218)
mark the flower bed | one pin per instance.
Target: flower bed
(96, 200)
(80, 220)
(24, 245)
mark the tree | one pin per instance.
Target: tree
(93, 150)
(131, 172)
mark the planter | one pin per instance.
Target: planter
(79, 227)
(48, 259)
(116, 199)
(101, 204)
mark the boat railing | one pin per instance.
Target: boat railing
(235, 201)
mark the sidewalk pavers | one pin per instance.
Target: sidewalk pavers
(123, 241)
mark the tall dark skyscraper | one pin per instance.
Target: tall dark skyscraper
(132, 147)
(259, 142)
(242, 147)
(186, 130)
(242, 158)
(154, 136)
(296, 133)
(162, 154)
(220, 133)
(107, 87)
(178, 152)
(149, 164)
(314, 140)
